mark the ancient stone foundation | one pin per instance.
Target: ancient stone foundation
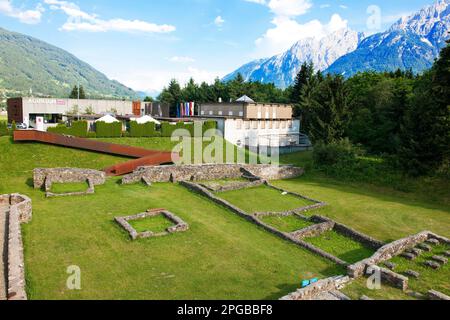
(209, 172)
(179, 224)
(318, 290)
(44, 178)
(17, 209)
(391, 250)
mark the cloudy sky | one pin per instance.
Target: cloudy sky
(145, 43)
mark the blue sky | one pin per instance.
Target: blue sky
(145, 43)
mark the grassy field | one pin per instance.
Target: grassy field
(241, 260)
(263, 199)
(340, 246)
(286, 223)
(155, 224)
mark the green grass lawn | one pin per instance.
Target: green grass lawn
(69, 187)
(286, 223)
(341, 246)
(263, 199)
(3, 117)
(222, 256)
(155, 224)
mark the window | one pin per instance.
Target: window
(230, 113)
(259, 112)
(277, 124)
(290, 124)
(210, 113)
(241, 113)
(269, 126)
(255, 124)
(239, 124)
(263, 124)
(247, 125)
(203, 112)
(283, 124)
(220, 113)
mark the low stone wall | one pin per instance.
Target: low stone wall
(179, 224)
(436, 295)
(232, 185)
(19, 211)
(208, 172)
(351, 233)
(387, 252)
(390, 277)
(45, 177)
(316, 289)
(314, 230)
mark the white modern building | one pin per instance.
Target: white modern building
(249, 124)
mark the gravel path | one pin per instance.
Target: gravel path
(3, 252)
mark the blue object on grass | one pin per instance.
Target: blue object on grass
(314, 280)
(305, 283)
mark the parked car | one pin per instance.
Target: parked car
(20, 126)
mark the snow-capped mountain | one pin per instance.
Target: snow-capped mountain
(282, 69)
(412, 42)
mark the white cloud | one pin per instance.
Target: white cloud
(219, 21)
(25, 16)
(289, 8)
(181, 59)
(79, 20)
(287, 30)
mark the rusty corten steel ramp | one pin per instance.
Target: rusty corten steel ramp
(145, 157)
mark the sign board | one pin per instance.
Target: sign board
(40, 123)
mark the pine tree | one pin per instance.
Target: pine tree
(426, 130)
(74, 93)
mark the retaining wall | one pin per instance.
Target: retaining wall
(208, 172)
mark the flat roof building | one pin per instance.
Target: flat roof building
(54, 110)
(247, 123)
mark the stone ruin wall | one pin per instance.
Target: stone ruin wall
(45, 177)
(208, 172)
(391, 250)
(20, 211)
(315, 289)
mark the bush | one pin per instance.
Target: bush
(167, 129)
(4, 128)
(91, 135)
(108, 130)
(143, 130)
(78, 129)
(335, 153)
(208, 125)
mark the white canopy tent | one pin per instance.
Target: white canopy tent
(108, 119)
(146, 119)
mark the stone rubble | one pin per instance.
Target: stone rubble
(440, 259)
(412, 273)
(432, 264)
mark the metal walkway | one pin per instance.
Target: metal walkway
(144, 157)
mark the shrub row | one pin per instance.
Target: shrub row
(4, 128)
(108, 130)
(78, 129)
(114, 130)
(143, 130)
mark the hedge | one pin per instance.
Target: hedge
(4, 128)
(108, 130)
(168, 129)
(143, 130)
(78, 129)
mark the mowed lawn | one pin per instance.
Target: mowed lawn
(221, 257)
(263, 199)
